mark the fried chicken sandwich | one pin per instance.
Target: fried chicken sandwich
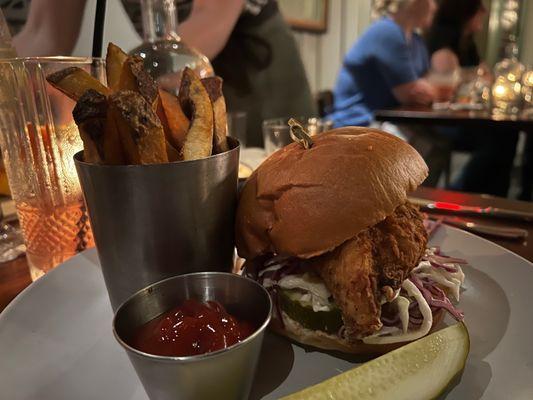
(329, 232)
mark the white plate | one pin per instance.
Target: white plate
(56, 341)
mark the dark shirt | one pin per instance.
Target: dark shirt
(184, 7)
(15, 12)
(381, 59)
(442, 37)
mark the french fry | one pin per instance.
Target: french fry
(174, 121)
(135, 78)
(141, 132)
(134, 122)
(74, 81)
(114, 61)
(101, 144)
(213, 85)
(90, 115)
(113, 151)
(196, 105)
(172, 153)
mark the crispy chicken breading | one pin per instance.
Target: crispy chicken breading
(372, 265)
(350, 276)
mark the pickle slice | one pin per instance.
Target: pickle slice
(420, 370)
(326, 321)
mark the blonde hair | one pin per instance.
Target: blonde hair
(381, 8)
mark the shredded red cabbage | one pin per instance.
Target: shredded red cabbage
(342, 331)
(448, 268)
(431, 225)
(415, 316)
(446, 259)
(436, 297)
(438, 260)
(392, 321)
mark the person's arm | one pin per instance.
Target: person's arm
(52, 28)
(393, 59)
(419, 92)
(210, 24)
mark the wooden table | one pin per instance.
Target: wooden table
(14, 275)
(522, 248)
(482, 120)
(422, 115)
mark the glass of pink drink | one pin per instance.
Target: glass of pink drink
(38, 138)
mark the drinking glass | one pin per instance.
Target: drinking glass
(276, 132)
(39, 138)
(445, 84)
(237, 126)
(474, 92)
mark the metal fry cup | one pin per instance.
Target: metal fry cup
(223, 374)
(151, 222)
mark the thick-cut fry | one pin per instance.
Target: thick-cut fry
(172, 153)
(134, 122)
(196, 105)
(113, 151)
(101, 144)
(74, 81)
(134, 77)
(114, 61)
(141, 133)
(213, 85)
(90, 115)
(174, 121)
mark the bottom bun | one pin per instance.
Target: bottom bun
(321, 340)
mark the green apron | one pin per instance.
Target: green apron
(263, 73)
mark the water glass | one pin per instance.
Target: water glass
(39, 138)
(237, 126)
(445, 84)
(276, 132)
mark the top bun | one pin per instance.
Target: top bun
(307, 202)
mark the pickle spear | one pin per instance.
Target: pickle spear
(420, 370)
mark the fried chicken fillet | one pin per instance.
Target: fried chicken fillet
(371, 267)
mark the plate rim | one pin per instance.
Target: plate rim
(453, 228)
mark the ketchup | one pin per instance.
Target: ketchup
(190, 329)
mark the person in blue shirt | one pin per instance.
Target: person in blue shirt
(386, 66)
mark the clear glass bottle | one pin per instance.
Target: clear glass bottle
(165, 54)
(507, 87)
(481, 90)
(527, 90)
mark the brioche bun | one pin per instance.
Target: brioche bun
(304, 203)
